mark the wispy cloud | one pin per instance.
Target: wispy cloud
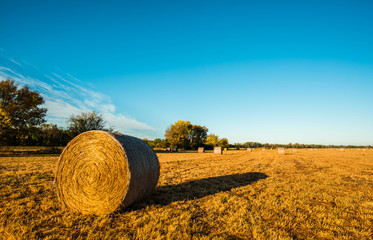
(65, 95)
(15, 62)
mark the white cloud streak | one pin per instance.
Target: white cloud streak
(64, 95)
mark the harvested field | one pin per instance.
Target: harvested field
(324, 194)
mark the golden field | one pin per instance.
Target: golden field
(320, 194)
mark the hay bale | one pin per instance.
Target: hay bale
(99, 171)
(217, 150)
(201, 149)
(281, 150)
(173, 149)
(225, 149)
(341, 149)
(263, 149)
(168, 149)
(249, 149)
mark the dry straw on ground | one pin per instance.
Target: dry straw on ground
(238, 195)
(100, 171)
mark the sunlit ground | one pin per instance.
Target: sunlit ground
(320, 194)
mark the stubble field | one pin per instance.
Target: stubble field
(320, 194)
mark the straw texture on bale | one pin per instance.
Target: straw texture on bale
(217, 150)
(201, 149)
(281, 150)
(99, 171)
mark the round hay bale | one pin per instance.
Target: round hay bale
(281, 150)
(217, 150)
(99, 171)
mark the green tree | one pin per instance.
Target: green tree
(20, 113)
(183, 134)
(51, 135)
(223, 143)
(179, 134)
(87, 121)
(198, 136)
(212, 140)
(165, 143)
(157, 142)
(252, 145)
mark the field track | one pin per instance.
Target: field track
(319, 194)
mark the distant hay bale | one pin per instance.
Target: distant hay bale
(341, 149)
(281, 150)
(225, 149)
(294, 150)
(217, 150)
(249, 149)
(99, 171)
(168, 149)
(173, 149)
(263, 149)
(201, 149)
(363, 149)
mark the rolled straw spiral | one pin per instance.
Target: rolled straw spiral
(99, 171)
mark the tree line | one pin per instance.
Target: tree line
(22, 119)
(185, 135)
(22, 122)
(294, 145)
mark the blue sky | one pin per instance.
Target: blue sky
(266, 71)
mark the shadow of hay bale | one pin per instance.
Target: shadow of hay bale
(165, 195)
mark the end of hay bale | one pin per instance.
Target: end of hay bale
(217, 150)
(201, 149)
(281, 150)
(99, 171)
